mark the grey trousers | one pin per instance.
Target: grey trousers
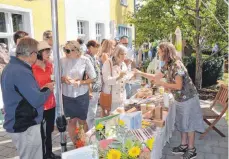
(92, 109)
(28, 143)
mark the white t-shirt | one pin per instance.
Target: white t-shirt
(74, 68)
(130, 54)
(13, 51)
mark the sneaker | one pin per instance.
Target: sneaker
(190, 154)
(180, 149)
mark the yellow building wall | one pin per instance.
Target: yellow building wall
(118, 12)
(41, 13)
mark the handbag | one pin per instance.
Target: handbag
(106, 99)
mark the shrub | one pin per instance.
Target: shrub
(212, 69)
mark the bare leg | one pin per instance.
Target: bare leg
(191, 140)
(184, 137)
(84, 124)
(71, 129)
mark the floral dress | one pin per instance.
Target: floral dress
(188, 90)
(189, 116)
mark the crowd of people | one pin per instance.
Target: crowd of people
(28, 88)
(87, 70)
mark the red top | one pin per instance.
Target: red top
(43, 77)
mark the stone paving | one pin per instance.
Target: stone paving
(212, 146)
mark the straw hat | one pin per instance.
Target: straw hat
(43, 45)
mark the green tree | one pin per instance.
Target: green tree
(156, 19)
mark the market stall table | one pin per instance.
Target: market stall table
(161, 135)
(165, 133)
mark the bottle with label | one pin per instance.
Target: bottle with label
(166, 99)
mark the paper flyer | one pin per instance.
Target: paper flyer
(132, 120)
(108, 122)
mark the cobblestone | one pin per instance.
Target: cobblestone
(213, 146)
(220, 150)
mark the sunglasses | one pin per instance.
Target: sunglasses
(68, 51)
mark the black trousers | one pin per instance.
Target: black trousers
(47, 127)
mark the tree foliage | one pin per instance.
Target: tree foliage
(202, 22)
(157, 19)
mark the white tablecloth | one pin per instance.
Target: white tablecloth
(164, 134)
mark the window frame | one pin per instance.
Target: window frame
(81, 29)
(99, 32)
(124, 3)
(26, 19)
(123, 31)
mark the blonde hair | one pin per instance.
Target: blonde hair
(117, 51)
(169, 52)
(47, 35)
(74, 45)
(106, 47)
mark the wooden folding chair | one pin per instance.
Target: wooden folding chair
(221, 100)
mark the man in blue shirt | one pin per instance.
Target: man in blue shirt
(23, 100)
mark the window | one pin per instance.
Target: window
(4, 40)
(123, 2)
(99, 32)
(10, 23)
(2, 22)
(81, 27)
(17, 22)
(123, 31)
(13, 19)
(83, 30)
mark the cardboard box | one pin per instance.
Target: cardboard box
(145, 108)
(132, 120)
(158, 113)
(159, 123)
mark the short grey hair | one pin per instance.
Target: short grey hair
(26, 46)
(118, 49)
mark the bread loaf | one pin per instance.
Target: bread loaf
(144, 93)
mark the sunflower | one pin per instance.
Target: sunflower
(134, 152)
(113, 154)
(150, 143)
(121, 123)
(99, 127)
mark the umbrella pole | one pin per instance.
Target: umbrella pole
(61, 120)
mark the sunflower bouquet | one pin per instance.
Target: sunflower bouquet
(124, 145)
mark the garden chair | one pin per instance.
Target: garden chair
(221, 100)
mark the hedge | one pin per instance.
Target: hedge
(212, 69)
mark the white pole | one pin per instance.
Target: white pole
(61, 121)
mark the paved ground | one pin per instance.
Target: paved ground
(211, 147)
